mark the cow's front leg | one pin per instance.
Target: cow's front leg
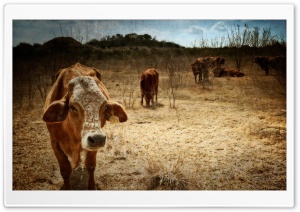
(142, 96)
(152, 99)
(90, 164)
(156, 91)
(64, 165)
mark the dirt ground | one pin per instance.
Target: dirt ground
(230, 135)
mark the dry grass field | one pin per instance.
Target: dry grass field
(230, 135)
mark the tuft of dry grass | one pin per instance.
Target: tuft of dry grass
(170, 174)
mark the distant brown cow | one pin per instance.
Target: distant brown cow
(277, 63)
(149, 85)
(201, 65)
(75, 112)
(229, 72)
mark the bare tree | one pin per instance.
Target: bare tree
(255, 37)
(175, 79)
(41, 84)
(30, 84)
(266, 37)
(238, 38)
(128, 89)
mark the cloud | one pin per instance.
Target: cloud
(219, 27)
(196, 30)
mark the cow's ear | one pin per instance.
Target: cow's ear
(98, 75)
(56, 112)
(115, 109)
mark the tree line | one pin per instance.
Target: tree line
(131, 39)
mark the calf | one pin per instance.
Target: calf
(75, 112)
(149, 85)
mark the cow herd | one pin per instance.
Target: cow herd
(78, 106)
(204, 67)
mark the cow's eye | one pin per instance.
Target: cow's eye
(73, 108)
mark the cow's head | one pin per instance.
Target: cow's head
(220, 61)
(84, 111)
(263, 62)
(215, 61)
(149, 95)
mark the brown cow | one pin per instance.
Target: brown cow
(201, 65)
(75, 112)
(149, 85)
(277, 63)
(229, 72)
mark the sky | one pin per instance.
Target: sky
(186, 33)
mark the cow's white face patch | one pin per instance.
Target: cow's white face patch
(87, 94)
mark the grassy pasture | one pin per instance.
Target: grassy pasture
(230, 135)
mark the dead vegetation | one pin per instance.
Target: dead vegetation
(230, 136)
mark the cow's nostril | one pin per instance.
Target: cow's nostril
(96, 140)
(91, 141)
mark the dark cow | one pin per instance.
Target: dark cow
(277, 63)
(228, 72)
(201, 65)
(75, 112)
(149, 85)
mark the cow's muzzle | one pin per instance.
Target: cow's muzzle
(96, 140)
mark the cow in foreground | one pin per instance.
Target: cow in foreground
(200, 66)
(149, 86)
(75, 112)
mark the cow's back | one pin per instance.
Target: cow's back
(149, 79)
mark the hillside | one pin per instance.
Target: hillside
(132, 45)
